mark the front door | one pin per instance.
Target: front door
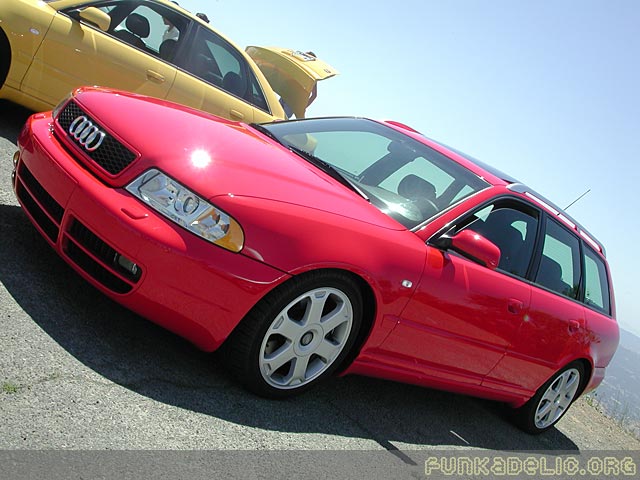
(464, 316)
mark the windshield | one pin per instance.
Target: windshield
(404, 178)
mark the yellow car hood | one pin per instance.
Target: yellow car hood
(292, 74)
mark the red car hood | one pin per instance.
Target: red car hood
(215, 157)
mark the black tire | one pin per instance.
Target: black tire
(303, 338)
(552, 400)
(5, 57)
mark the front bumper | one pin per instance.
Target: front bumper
(189, 286)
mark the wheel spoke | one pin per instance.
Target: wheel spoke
(313, 315)
(560, 383)
(543, 410)
(287, 327)
(301, 344)
(328, 350)
(548, 396)
(298, 373)
(279, 358)
(557, 398)
(571, 385)
(335, 318)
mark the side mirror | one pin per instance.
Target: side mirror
(96, 17)
(472, 245)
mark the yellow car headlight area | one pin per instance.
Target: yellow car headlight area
(182, 206)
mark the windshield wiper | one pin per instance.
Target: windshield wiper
(311, 158)
(267, 132)
(328, 169)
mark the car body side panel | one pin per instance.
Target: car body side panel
(384, 258)
(25, 23)
(551, 336)
(461, 320)
(191, 91)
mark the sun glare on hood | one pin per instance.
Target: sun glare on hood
(200, 158)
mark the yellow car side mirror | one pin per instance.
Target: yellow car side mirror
(96, 17)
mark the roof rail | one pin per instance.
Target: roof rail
(558, 212)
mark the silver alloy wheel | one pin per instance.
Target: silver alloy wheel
(557, 398)
(305, 338)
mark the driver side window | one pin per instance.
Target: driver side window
(512, 230)
(146, 28)
(214, 60)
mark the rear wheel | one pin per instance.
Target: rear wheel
(297, 335)
(552, 400)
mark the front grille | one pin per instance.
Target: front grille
(111, 155)
(97, 258)
(43, 209)
(95, 270)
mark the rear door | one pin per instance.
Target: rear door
(554, 329)
(215, 77)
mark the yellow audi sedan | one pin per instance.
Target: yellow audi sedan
(151, 47)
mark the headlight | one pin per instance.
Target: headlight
(179, 204)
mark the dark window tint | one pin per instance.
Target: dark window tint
(596, 292)
(559, 268)
(512, 231)
(215, 61)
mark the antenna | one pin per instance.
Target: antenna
(567, 207)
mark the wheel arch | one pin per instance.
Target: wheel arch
(368, 318)
(369, 308)
(5, 57)
(588, 371)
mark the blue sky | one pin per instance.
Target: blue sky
(548, 91)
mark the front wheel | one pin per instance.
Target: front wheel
(5, 57)
(297, 335)
(551, 401)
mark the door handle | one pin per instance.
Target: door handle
(574, 326)
(236, 114)
(514, 305)
(155, 76)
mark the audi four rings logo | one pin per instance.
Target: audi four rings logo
(86, 133)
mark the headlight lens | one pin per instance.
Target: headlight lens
(187, 209)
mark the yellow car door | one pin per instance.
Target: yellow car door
(75, 52)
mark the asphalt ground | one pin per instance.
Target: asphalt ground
(80, 372)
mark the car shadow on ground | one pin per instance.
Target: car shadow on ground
(135, 353)
(12, 118)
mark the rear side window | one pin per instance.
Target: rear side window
(559, 268)
(596, 282)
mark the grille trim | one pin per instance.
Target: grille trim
(96, 258)
(112, 156)
(42, 208)
(81, 246)
(95, 270)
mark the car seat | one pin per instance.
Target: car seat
(137, 29)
